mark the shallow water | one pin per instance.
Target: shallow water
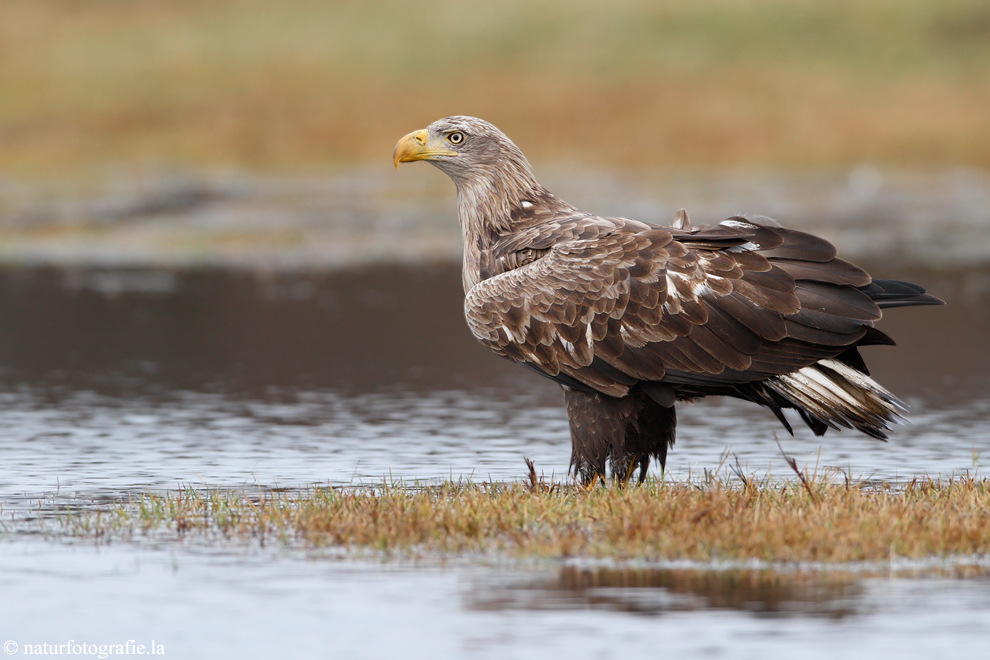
(116, 383)
(199, 603)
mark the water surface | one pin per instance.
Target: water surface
(116, 383)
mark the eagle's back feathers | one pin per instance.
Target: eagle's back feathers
(647, 299)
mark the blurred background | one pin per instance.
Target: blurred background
(261, 130)
(315, 86)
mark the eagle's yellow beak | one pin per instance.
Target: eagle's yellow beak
(414, 147)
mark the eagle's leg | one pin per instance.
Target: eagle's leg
(624, 432)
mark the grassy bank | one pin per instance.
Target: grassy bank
(288, 86)
(808, 520)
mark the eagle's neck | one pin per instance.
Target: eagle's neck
(485, 205)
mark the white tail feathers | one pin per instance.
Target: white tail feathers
(838, 395)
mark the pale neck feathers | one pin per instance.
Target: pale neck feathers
(487, 194)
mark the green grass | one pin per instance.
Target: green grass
(310, 84)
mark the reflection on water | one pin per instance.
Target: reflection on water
(128, 333)
(659, 590)
(136, 332)
(114, 383)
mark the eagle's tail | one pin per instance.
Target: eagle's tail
(830, 394)
(838, 392)
(897, 293)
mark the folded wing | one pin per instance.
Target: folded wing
(606, 303)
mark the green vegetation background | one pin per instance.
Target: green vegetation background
(312, 85)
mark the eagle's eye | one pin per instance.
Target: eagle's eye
(456, 137)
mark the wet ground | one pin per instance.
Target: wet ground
(115, 383)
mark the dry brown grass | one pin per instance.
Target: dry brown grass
(302, 84)
(817, 521)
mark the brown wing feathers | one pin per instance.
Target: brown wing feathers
(608, 302)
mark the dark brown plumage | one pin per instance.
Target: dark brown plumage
(630, 317)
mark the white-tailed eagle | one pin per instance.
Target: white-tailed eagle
(630, 317)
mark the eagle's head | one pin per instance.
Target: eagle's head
(494, 180)
(468, 150)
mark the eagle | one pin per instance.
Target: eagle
(631, 317)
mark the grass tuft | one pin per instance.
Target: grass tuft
(818, 518)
